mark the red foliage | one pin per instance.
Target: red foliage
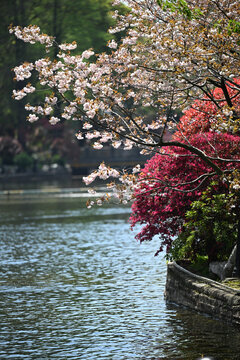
(158, 205)
(201, 117)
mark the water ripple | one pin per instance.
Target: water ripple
(77, 286)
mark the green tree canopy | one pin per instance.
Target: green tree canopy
(85, 21)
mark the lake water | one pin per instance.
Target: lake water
(75, 284)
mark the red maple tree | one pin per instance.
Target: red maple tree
(169, 183)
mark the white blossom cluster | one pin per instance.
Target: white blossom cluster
(103, 172)
(32, 35)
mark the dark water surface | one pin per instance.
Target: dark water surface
(74, 284)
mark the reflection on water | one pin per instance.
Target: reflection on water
(74, 284)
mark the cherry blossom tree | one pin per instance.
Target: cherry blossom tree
(166, 61)
(174, 55)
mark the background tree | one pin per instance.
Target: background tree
(86, 21)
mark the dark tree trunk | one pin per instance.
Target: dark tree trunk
(236, 271)
(20, 19)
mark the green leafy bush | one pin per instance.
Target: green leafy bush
(209, 229)
(23, 161)
(58, 160)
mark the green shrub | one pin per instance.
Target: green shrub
(23, 161)
(58, 160)
(209, 230)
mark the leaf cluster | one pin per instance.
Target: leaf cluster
(180, 6)
(209, 228)
(172, 201)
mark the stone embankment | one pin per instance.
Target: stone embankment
(202, 294)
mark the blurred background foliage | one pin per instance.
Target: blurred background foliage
(85, 21)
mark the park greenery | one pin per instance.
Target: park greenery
(86, 21)
(174, 59)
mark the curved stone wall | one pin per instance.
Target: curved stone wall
(202, 294)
